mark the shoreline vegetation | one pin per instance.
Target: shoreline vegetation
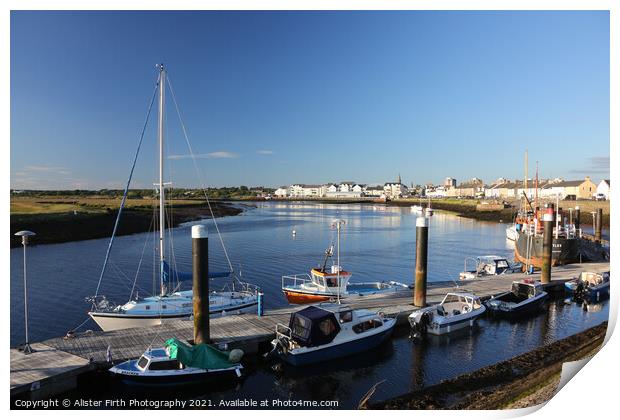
(523, 381)
(67, 219)
(64, 216)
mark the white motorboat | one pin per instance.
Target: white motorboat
(488, 265)
(179, 363)
(456, 311)
(511, 233)
(329, 331)
(171, 302)
(524, 296)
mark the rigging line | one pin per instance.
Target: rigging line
(146, 240)
(202, 184)
(120, 210)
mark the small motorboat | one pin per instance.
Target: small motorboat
(329, 331)
(417, 209)
(488, 265)
(511, 233)
(179, 363)
(457, 310)
(524, 296)
(589, 284)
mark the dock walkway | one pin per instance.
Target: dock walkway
(62, 357)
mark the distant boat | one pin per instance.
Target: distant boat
(456, 311)
(524, 296)
(171, 303)
(488, 265)
(329, 331)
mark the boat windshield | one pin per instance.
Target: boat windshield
(142, 362)
(166, 365)
(524, 290)
(502, 264)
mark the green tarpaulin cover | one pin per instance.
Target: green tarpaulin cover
(200, 356)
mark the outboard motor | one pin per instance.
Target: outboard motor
(421, 326)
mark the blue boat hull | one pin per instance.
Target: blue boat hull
(337, 351)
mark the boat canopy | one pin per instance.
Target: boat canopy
(313, 326)
(201, 356)
(170, 273)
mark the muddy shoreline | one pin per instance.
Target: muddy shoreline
(528, 379)
(68, 226)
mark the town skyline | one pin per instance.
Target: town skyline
(270, 98)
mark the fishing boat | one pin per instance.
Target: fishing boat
(332, 284)
(456, 311)
(171, 302)
(329, 331)
(589, 284)
(179, 363)
(524, 296)
(488, 265)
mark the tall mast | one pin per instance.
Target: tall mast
(525, 179)
(160, 128)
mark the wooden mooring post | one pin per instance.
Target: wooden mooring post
(421, 259)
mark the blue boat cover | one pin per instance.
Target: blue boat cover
(313, 326)
(170, 273)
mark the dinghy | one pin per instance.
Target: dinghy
(456, 311)
(329, 331)
(488, 265)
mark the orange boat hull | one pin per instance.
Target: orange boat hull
(304, 298)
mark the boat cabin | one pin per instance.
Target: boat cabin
(593, 279)
(157, 360)
(314, 326)
(326, 279)
(526, 289)
(458, 303)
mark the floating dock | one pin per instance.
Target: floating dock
(58, 362)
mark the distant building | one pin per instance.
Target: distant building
(472, 188)
(282, 192)
(346, 189)
(579, 189)
(374, 191)
(603, 188)
(436, 192)
(449, 183)
(395, 190)
(307, 190)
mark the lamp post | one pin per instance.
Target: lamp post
(25, 234)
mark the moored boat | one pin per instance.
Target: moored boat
(329, 331)
(179, 363)
(589, 284)
(488, 265)
(524, 296)
(456, 311)
(171, 302)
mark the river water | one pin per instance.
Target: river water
(378, 243)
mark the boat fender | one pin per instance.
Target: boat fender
(235, 356)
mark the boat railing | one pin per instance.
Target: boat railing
(283, 331)
(293, 280)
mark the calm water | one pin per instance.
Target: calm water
(377, 244)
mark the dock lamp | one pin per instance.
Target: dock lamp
(25, 234)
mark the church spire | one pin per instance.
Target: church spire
(399, 181)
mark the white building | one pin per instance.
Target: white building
(603, 188)
(393, 190)
(307, 190)
(282, 192)
(374, 191)
(436, 192)
(345, 190)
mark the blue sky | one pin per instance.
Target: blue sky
(272, 98)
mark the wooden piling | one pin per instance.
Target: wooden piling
(200, 271)
(545, 274)
(598, 232)
(421, 259)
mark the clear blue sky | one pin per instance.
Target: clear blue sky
(272, 98)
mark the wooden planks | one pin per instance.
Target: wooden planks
(45, 363)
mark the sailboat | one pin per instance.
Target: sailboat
(171, 302)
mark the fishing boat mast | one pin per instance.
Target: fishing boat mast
(338, 223)
(160, 128)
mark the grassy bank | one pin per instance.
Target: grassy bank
(66, 219)
(528, 379)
